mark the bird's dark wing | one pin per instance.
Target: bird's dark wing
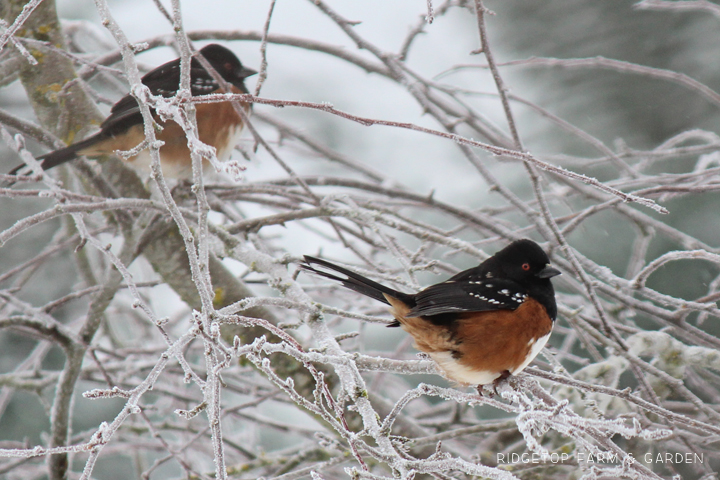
(124, 114)
(164, 80)
(455, 296)
(471, 274)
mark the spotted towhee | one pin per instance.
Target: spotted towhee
(219, 125)
(481, 325)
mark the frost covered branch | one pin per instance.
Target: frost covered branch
(166, 326)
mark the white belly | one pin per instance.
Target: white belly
(460, 373)
(224, 153)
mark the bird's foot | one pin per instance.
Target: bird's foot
(496, 383)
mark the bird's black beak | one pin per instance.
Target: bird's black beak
(548, 272)
(246, 72)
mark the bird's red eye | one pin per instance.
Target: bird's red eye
(526, 266)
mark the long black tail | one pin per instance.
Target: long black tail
(355, 281)
(58, 157)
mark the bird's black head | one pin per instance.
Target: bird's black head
(227, 64)
(522, 261)
(525, 263)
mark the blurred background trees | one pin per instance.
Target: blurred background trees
(147, 338)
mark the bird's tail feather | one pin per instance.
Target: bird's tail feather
(354, 281)
(58, 157)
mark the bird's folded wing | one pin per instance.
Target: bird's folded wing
(468, 296)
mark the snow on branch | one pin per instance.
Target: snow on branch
(166, 326)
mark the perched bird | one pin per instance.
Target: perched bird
(480, 326)
(219, 125)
